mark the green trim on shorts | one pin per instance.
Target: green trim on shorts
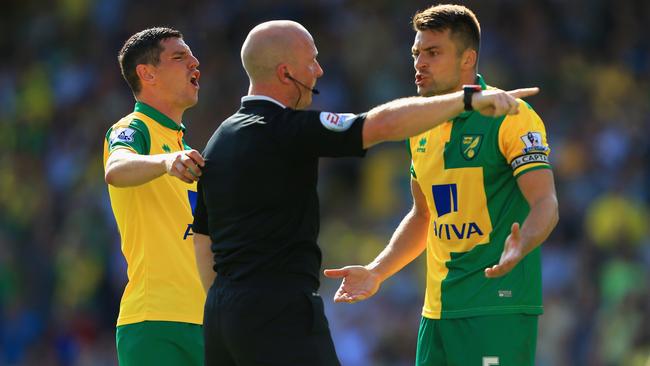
(160, 343)
(493, 340)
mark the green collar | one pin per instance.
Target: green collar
(157, 116)
(481, 82)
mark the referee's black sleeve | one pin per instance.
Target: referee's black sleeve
(200, 224)
(319, 133)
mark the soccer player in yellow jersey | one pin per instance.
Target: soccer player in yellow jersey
(484, 200)
(151, 175)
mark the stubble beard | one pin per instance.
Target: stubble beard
(437, 89)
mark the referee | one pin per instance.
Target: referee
(256, 221)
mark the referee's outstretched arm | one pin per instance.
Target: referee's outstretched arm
(406, 117)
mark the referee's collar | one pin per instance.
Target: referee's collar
(250, 98)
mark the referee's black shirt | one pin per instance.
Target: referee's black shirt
(257, 196)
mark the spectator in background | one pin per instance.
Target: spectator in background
(151, 175)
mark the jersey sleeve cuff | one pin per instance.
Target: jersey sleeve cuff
(529, 168)
(118, 146)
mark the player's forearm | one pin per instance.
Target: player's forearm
(540, 222)
(407, 243)
(406, 117)
(204, 260)
(129, 169)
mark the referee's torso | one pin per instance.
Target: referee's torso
(257, 195)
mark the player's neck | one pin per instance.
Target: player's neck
(467, 78)
(168, 109)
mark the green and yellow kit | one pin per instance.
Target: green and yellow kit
(154, 220)
(467, 168)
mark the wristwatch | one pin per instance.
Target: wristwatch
(468, 91)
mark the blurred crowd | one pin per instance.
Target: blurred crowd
(61, 269)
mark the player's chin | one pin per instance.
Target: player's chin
(192, 100)
(425, 92)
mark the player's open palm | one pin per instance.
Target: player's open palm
(512, 254)
(358, 283)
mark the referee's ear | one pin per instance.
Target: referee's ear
(283, 74)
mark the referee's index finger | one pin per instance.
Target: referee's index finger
(523, 92)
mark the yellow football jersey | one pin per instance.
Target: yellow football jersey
(154, 220)
(467, 169)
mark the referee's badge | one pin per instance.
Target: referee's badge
(470, 145)
(337, 122)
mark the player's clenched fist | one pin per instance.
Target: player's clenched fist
(185, 165)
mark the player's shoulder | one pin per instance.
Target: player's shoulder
(525, 108)
(525, 116)
(132, 121)
(127, 130)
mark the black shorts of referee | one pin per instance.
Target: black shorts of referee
(267, 321)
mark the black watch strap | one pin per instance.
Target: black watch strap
(468, 91)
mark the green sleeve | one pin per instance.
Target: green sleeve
(136, 137)
(408, 148)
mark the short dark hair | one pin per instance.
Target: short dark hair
(143, 48)
(461, 22)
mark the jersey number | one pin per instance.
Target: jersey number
(490, 361)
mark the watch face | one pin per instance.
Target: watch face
(467, 98)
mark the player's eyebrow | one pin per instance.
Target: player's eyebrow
(415, 49)
(179, 53)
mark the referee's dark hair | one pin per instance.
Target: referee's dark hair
(143, 48)
(462, 23)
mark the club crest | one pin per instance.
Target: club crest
(470, 145)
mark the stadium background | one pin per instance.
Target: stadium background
(61, 270)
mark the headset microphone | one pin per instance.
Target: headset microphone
(313, 90)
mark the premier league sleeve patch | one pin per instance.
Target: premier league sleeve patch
(122, 135)
(533, 142)
(523, 142)
(133, 135)
(534, 151)
(337, 122)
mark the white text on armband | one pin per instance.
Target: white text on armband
(529, 159)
